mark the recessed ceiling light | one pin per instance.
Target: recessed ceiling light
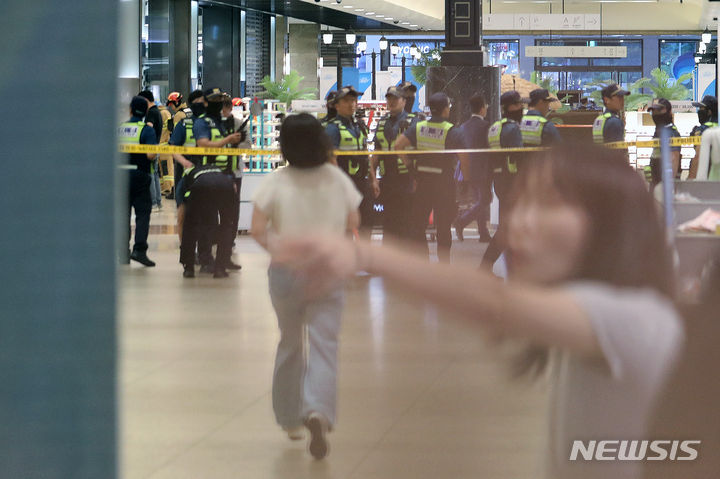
(389, 18)
(359, 9)
(380, 16)
(348, 6)
(405, 23)
(413, 25)
(369, 13)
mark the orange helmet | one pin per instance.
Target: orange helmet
(175, 97)
(237, 102)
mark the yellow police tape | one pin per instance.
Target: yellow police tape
(189, 150)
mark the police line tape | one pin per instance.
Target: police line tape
(191, 150)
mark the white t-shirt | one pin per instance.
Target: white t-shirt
(302, 200)
(611, 398)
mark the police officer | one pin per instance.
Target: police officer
(346, 135)
(136, 132)
(435, 190)
(331, 111)
(610, 127)
(396, 182)
(708, 117)
(661, 110)
(504, 133)
(477, 171)
(183, 136)
(410, 91)
(210, 189)
(536, 129)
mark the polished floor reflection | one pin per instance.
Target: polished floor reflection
(421, 394)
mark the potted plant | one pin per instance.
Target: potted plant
(287, 89)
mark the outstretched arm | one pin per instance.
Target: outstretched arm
(546, 316)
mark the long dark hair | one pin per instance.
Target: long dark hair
(626, 241)
(303, 141)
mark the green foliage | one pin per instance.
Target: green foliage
(633, 101)
(288, 89)
(546, 83)
(429, 59)
(663, 86)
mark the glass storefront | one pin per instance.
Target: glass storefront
(504, 53)
(677, 57)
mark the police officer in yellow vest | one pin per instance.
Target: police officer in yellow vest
(346, 135)
(536, 129)
(210, 191)
(504, 133)
(396, 183)
(435, 191)
(183, 136)
(136, 132)
(610, 126)
(662, 116)
(708, 117)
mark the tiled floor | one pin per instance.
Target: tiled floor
(421, 394)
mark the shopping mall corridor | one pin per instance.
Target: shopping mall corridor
(421, 395)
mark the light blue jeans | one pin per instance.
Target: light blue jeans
(305, 377)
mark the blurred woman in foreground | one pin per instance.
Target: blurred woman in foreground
(591, 285)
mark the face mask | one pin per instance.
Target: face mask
(662, 119)
(515, 115)
(197, 108)
(214, 108)
(704, 116)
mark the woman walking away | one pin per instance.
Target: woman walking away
(590, 286)
(310, 195)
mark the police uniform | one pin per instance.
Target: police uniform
(435, 182)
(209, 193)
(137, 132)
(655, 167)
(608, 128)
(504, 133)
(396, 183)
(182, 135)
(346, 135)
(537, 130)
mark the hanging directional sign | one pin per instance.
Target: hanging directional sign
(576, 52)
(542, 21)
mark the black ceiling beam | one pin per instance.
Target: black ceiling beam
(310, 12)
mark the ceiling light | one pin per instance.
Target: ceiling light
(389, 18)
(413, 25)
(405, 23)
(706, 36)
(350, 38)
(369, 13)
(394, 48)
(380, 16)
(362, 46)
(348, 6)
(359, 9)
(383, 43)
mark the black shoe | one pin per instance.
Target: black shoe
(220, 273)
(318, 426)
(233, 266)
(206, 268)
(189, 271)
(141, 257)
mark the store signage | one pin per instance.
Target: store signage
(682, 106)
(576, 52)
(545, 21)
(308, 105)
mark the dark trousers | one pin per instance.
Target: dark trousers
(503, 184)
(434, 193)
(139, 199)
(236, 206)
(211, 194)
(397, 198)
(480, 210)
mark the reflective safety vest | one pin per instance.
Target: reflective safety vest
(494, 134)
(598, 129)
(189, 135)
(431, 136)
(128, 133)
(656, 151)
(227, 163)
(699, 130)
(386, 145)
(532, 127)
(349, 143)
